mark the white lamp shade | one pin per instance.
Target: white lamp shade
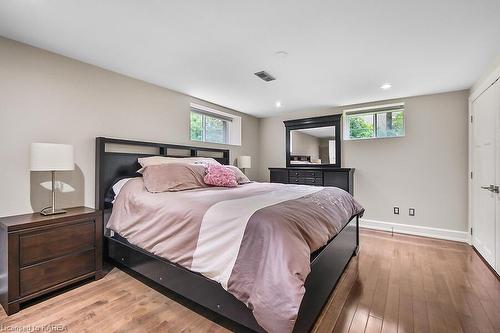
(52, 157)
(244, 162)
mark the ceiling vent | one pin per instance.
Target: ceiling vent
(265, 76)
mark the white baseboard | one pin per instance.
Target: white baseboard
(454, 235)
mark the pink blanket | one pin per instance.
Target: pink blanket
(255, 239)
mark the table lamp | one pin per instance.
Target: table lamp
(52, 157)
(244, 162)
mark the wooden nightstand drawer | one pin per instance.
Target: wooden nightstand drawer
(55, 271)
(55, 242)
(41, 254)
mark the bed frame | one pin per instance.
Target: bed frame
(327, 264)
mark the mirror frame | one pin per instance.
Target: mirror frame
(333, 120)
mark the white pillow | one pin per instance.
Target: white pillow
(157, 160)
(241, 178)
(117, 187)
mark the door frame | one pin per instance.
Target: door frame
(476, 91)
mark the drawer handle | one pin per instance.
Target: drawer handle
(296, 174)
(296, 180)
(313, 181)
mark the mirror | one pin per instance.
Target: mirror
(312, 145)
(313, 142)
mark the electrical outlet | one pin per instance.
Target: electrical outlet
(411, 211)
(396, 210)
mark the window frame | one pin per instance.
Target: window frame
(374, 111)
(204, 116)
(231, 123)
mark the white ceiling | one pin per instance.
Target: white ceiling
(340, 52)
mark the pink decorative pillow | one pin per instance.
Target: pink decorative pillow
(219, 175)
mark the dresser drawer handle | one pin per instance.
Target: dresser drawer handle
(313, 180)
(296, 174)
(296, 180)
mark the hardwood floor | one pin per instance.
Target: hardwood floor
(395, 284)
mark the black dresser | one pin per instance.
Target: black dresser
(323, 176)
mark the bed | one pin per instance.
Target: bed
(118, 158)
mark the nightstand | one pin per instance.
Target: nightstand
(40, 254)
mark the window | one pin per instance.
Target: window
(214, 126)
(385, 121)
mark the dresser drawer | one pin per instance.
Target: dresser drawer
(40, 246)
(306, 181)
(47, 274)
(305, 173)
(326, 176)
(278, 176)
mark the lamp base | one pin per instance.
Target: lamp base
(52, 209)
(49, 212)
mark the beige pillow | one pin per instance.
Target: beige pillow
(157, 160)
(173, 177)
(240, 176)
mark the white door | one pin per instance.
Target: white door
(486, 176)
(497, 176)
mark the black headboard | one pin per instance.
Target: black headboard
(117, 158)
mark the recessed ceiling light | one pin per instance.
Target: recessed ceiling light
(386, 86)
(281, 54)
(278, 104)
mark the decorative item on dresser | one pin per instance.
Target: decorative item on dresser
(41, 254)
(337, 177)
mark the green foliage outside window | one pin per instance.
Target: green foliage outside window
(398, 128)
(196, 126)
(215, 130)
(208, 129)
(376, 125)
(359, 128)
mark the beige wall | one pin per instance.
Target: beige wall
(304, 144)
(45, 97)
(426, 169)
